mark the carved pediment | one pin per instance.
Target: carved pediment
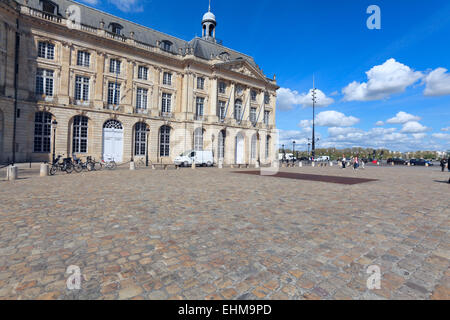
(242, 67)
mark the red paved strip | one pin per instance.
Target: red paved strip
(312, 177)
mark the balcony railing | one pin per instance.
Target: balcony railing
(166, 115)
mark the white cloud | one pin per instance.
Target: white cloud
(287, 99)
(305, 123)
(91, 2)
(338, 131)
(419, 136)
(437, 83)
(330, 119)
(335, 119)
(383, 80)
(445, 129)
(300, 137)
(379, 123)
(443, 136)
(128, 5)
(413, 127)
(403, 117)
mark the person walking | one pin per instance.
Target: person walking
(355, 163)
(344, 161)
(443, 163)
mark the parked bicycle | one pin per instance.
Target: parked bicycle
(64, 165)
(109, 164)
(79, 165)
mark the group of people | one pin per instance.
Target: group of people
(355, 162)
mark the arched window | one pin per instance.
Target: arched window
(42, 131)
(267, 147)
(198, 139)
(253, 147)
(238, 110)
(140, 139)
(164, 144)
(113, 124)
(80, 134)
(221, 152)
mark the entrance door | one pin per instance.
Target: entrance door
(113, 140)
(240, 149)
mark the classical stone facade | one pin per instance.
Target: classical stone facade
(93, 84)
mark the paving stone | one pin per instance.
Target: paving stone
(247, 237)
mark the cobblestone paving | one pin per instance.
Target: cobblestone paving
(214, 234)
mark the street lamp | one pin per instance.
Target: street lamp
(284, 153)
(293, 149)
(147, 131)
(309, 145)
(54, 125)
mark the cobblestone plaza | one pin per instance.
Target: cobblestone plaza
(217, 234)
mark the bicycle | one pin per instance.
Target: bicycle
(79, 165)
(110, 164)
(66, 165)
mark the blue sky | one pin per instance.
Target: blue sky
(397, 75)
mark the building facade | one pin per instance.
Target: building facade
(75, 80)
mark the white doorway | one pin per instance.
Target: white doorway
(113, 140)
(240, 149)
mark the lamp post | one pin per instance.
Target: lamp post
(293, 150)
(284, 152)
(147, 131)
(54, 125)
(309, 145)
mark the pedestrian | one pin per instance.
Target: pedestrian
(443, 163)
(344, 161)
(355, 163)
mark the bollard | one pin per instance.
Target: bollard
(193, 164)
(392, 163)
(426, 165)
(11, 173)
(132, 166)
(331, 163)
(153, 167)
(313, 164)
(44, 170)
(300, 164)
(220, 165)
(257, 165)
(409, 164)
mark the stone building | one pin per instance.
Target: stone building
(89, 83)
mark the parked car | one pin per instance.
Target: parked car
(201, 158)
(397, 161)
(420, 162)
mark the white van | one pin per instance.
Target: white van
(201, 158)
(322, 159)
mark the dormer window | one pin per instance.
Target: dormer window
(49, 7)
(225, 56)
(166, 45)
(116, 28)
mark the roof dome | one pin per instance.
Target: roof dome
(209, 16)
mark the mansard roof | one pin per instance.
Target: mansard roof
(200, 48)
